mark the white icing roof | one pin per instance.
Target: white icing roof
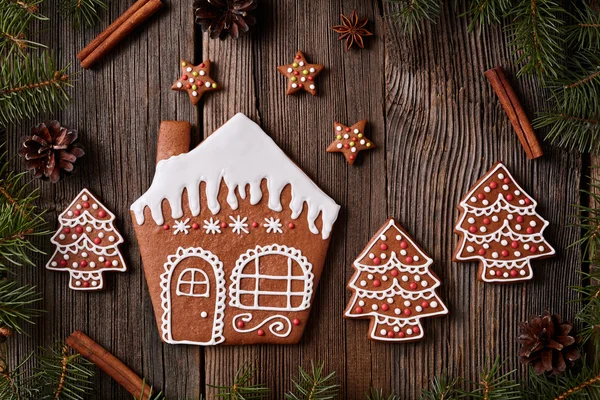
(240, 153)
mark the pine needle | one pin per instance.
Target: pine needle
(314, 385)
(377, 394)
(441, 388)
(83, 12)
(242, 387)
(411, 14)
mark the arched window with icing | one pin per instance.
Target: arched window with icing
(273, 277)
(193, 282)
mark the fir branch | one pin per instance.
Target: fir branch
(31, 86)
(412, 13)
(62, 374)
(377, 394)
(83, 12)
(314, 385)
(242, 387)
(16, 304)
(16, 383)
(442, 388)
(487, 12)
(494, 385)
(583, 383)
(571, 131)
(537, 37)
(585, 33)
(14, 25)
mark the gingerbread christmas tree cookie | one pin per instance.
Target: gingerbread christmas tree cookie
(233, 237)
(300, 75)
(87, 243)
(499, 227)
(393, 286)
(195, 80)
(350, 140)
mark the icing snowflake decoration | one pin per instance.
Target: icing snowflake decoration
(273, 225)
(499, 227)
(211, 226)
(181, 227)
(394, 287)
(238, 224)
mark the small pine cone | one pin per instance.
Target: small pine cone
(224, 17)
(50, 150)
(547, 345)
(5, 333)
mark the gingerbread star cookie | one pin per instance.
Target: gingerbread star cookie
(300, 75)
(195, 80)
(350, 140)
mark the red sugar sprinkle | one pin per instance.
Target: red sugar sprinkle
(351, 157)
(493, 185)
(240, 324)
(79, 229)
(504, 253)
(202, 65)
(347, 129)
(260, 332)
(408, 260)
(412, 286)
(506, 180)
(298, 57)
(376, 283)
(300, 85)
(394, 272)
(358, 310)
(520, 218)
(416, 330)
(346, 146)
(377, 261)
(403, 245)
(481, 252)
(425, 304)
(166, 227)
(486, 221)
(291, 225)
(390, 334)
(296, 73)
(514, 245)
(527, 201)
(385, 307)
(67, 230)
(296, 321)
(481, 196)
(223, 225)
(86, 205)
(255, 224)
(102, 213)
(107, 263)
(62, 263)
(188, 86)
(83, 263)
(472, 229)
(509, 197)
(86, 284)
(533, 249)
(184, 77)
(195, 225)
(76, 212)
(529, 229)
(407, 312)
(513, 273)
(97, 240)
(401, 334)
(310, 78)
(383, 246)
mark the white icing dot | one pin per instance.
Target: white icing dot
(383, 256)
(471, 220)
(301, 63)
(383, 332)
(485, 202)
(495, 255)
(517, 254)
(115, 263)
(290, 70)
(84, 254)
(505, 187)
(88, 229)
(522, 272)
(417, 278)
(495, 218)
(95, 206)
(500, 176)
(532, 223)
(303, 79)
(66, 256)
(433, 304)
(486, 246)
(74, 236)
(371, 256)
(404, 278)
(111, 238)
(94, 283)
(424, 283)
(92, 265)
(84, 197)
(207, 84)
(396, 329)
(363, 283)
(419, 308)
(312, 70)
(356, 131)
(312, 87)
(409, 331)
(407, 303)
(416, 258)
(194, 93)
(78, 206)
(77, 283)
(370, 276)
(383, 237)
(517, 192)
(101, 259)
(541, 248)
(403, 252)
(353, 149)
(486, 189)
(521, 202)
(53, 263)
(191, 80)
(202, 73)
(346, 136)
(398, 237)
(101, 235)
(518, 227)
(61, 236)
(483, 229)
(390, 300)
(510, 216)
(362, 141)
(397, 311)
(339, 146)
(75, 265)
(526, 246)
(203, 314)
(189, 69)
(338, 128)
(474, 199)
(70, 213)
(492, 272)
(505, 274)
(179, 84)
(361, 303)
(374, 307)
(470, 249)
(503, 242)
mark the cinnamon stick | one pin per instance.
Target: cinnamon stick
(515, 112)
(108, 363)
(117, 31)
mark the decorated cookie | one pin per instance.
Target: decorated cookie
(393, 286)
(301, 75)
(87, 243)
(233, 237)
(195, 80)
(498, 227)
(350, 140)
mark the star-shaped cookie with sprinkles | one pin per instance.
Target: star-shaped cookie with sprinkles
(350, 140)
(195, 80)
(300, 75)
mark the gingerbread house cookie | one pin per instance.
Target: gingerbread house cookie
(233, 237)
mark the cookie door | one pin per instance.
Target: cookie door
(194, 298)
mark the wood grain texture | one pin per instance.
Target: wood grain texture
(438, 127)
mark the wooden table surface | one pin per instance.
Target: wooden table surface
(438, 127)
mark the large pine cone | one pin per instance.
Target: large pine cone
(222, 17)
(546, 344)
(50, 150)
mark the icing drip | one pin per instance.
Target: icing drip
(239, 154)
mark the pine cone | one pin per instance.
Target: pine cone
(547, 345)
(223, 17)
(49, 150)
(5, 333)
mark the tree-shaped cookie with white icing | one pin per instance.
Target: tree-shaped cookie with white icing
(394, 287)
(86, 243)
(499, 227)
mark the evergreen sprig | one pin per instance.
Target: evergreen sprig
(242, 387)
(314, 384)
(83, 12)
(17, 305)
(441, 388)
(16, 383)
(377, 394)
(487, 12)
(30, 86)
(412, 13)
(15, 18)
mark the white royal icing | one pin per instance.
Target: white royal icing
(239, 153)
(279, 325)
